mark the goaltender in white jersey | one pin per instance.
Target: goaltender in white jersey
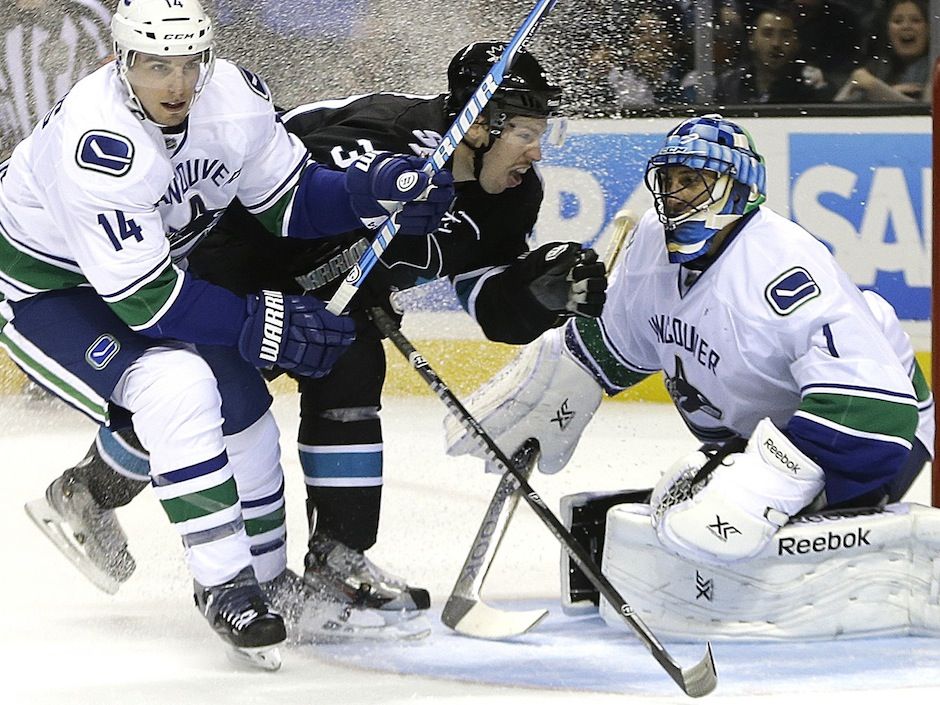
(117, 182)
(803, 390)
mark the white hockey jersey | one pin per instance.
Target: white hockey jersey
(772, 328)
(97, 196)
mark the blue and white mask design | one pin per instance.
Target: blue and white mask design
(706, 176)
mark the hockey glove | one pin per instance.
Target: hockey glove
(381, 184)
(734, 513)
(565, 278)
(295, 333)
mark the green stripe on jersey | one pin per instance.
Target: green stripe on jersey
(138, 309)
(263, 524)
(921, 388)
(273, 218)
(620, 376)
(34, 273)
(864, 414)
(202, 503)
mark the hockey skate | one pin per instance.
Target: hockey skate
(89, 536)
(333, 568)
(315, 617)
(240, 613)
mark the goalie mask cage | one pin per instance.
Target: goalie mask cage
(935, 278)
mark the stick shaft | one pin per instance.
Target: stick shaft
(438, 159)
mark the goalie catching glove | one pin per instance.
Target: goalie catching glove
(564, 278)
(543, 393)
(732, 514)
(381, 184)
(294, 333)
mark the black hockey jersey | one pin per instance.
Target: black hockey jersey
(482, 230)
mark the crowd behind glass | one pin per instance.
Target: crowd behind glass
(612, 57)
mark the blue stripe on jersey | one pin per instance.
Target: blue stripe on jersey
(206, 467)
(853, 465)
(270, 499)
(72, 265)
(281, 188)
(868, 391)
(340, 465)
(119, 294)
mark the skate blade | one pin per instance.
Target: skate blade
(51, 523)
(364, 625)
(267, 658)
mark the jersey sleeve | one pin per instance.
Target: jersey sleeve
(857, 414)
(280, 183)
(494, 230)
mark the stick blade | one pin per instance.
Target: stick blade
(697, 680)
(477, 619)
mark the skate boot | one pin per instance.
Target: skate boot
(313, 617)
(333, 568)
(89, 536)
(242, 616)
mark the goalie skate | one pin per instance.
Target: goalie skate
(89, 536)
(313, 617)
(240, 613)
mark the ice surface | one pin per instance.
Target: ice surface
(66, 642)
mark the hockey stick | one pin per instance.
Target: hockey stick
(465, 611)
(452, 138)
(696, 681)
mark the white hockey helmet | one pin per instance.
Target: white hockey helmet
(162, 28)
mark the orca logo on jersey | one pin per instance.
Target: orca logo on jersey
(102, 351)
(791, 290)
(105, 152)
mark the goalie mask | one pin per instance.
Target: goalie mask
(525, 89)
(165, 28)
(706, 176)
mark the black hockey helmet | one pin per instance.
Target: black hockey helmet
(525, 89)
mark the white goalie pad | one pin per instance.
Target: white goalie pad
(823, 576)
(542, 393)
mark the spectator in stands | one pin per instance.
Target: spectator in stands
(653, 59)
(831, 37)
(899, 70)
(769, 71)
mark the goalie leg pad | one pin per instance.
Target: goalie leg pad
(543, 394)
(848, 573)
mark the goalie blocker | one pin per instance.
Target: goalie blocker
(838, 573)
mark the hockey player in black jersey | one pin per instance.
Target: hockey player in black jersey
(513, 293)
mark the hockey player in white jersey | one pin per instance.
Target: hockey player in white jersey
(767, 348)
(98, 207)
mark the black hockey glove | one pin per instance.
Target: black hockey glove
(565, 278)
(381, 184)
(296, 333)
